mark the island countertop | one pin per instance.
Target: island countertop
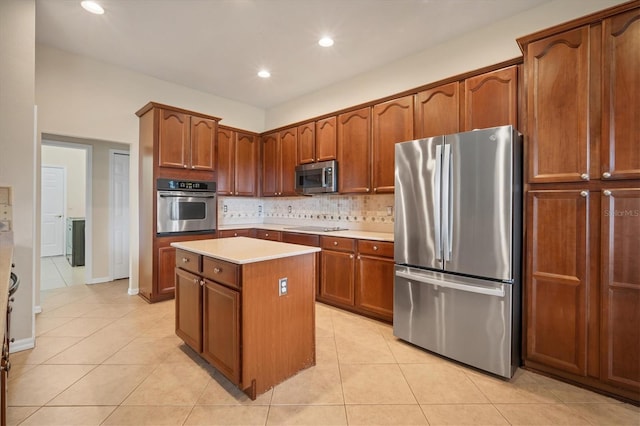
(242, 250)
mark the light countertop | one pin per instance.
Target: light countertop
(242, 250)
(361, 235)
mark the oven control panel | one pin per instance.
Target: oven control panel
(185, 185)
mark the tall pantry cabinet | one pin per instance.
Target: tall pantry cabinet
(582, 276)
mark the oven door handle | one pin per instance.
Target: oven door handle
(186, 196)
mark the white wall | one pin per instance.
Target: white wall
(487, 46)
(74, 161)
(82, 98)
(18, 153)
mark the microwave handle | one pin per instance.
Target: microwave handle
(324, 178)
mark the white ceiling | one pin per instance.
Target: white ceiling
(218, 46)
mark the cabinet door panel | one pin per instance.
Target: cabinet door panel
(246, 165)
(203, 139)
(621, 96)
(392, 123)
(165, 283)
(437, 111)
(491, 99)
(306, 143)
(337, 277)
(354, 151)
(620, 240)
(173, 139)
(558, 107)
(221, 341)
(189, 308)
(270, 164)
(374, 286)
(288, 161)
(326, 134)
(556, 279)
(226, 162)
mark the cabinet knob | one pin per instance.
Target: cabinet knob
(584, 176)
(375, 248)
(266, 234)
(185, 166)
(185, 260)
(335, 243)
(235, 234)
(201, 283)
(359, 257)
(606, 175)
(217, 270)
(584, 193)
(236, 192)
(606, 192)
(367, 189)
(196, 281)
(350, 256)
(193, 167)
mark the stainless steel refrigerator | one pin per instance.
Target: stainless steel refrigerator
(458, 229)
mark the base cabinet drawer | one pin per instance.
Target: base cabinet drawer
(221, 271)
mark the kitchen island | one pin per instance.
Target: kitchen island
(247, 306)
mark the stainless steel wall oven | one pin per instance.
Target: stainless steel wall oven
(185, 206)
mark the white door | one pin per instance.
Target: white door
(120, 215)
(53, 204)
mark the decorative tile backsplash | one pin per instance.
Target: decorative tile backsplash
(358, 212)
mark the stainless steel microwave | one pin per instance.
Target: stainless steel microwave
(317, 178)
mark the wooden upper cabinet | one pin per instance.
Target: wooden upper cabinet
(392, 123)
(620, 153)
(620, 287)
(203, 143)
(307, 143)
(237, 163)
(556, 279)
(185, 141)
(326, 139)
(279, 159)
(491, 99)
(173, 139)
(270, 159)
(226, 162)
(288, 161)
(437, 111)
(246, 164)
(558, 107)
(354, 151)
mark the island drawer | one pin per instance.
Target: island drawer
(338, 243)
(304, 239)
(188, 261)
(375, 248)
(221, 271)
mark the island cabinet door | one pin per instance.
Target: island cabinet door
(189, 309)
(221, 338)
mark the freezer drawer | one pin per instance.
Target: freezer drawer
(468, 320)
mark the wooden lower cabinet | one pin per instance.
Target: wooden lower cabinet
(582, 286)
(221, 329)
(237, 321)
(227, 233)
(266, 234)
(357, 275)
(189, 308)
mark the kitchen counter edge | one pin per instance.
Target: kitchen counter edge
(360, 235)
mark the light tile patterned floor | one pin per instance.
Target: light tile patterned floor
(56, 272)
(106, 358)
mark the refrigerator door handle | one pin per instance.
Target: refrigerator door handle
(446, 202)
(499, 292)
(436, 202)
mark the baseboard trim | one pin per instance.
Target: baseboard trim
(133, 291)
(22, 345)
(99, 280)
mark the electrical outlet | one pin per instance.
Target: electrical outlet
(389, 210)
(289, 209)
(224, 208)
(259, 209)
(282, 286)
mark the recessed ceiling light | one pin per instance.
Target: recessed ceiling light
(264, 74)
(92, 6)
(325, 42)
